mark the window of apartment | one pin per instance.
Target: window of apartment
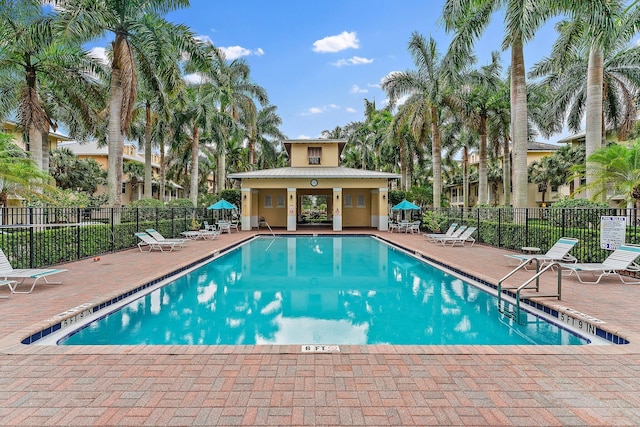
(124, 188)
(268, 202)
(347, 201)
(280, 201)
(360, 202)
(314, 154)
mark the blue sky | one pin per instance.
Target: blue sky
(319, 60)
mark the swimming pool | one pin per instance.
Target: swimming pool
(317, 290)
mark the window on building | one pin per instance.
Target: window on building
(314, 154)
(360, 201)
(347, 201)
(280, 201)
(124, 188)
(267, 202)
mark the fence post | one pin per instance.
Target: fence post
(137, 219)
(499, 227)
(113, 229)
(478, 218)
(563, 222)
(173, 223)
(78, 240)
(31, 240)
(526, 226)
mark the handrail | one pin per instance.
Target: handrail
(515, 314)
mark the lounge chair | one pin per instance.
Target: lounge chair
(461, 239)
(7, 272)
(558, 252)
(448, 233)
(622, 259)
(200, 234)
(9, 284)
(147, 241)
(160, 238)
(208, 227)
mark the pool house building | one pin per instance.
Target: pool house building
(354, 197)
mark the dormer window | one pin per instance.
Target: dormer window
(314, 154)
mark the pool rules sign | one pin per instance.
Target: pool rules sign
(612, 231)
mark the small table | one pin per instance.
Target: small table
(530, 250)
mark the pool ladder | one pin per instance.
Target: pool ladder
(515, 313)
(264, 222)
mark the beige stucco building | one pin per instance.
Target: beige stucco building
(355, 197)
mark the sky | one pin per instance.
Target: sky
(319, 60)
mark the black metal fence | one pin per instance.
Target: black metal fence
(37, 237)
(512, 228)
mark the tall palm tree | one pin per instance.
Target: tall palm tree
(237, 94)
(37, 69)
(261, 129)
(475, 101)
(370, 134)
(132, 22)
(429, 82)
(595, 43)
(468, 19)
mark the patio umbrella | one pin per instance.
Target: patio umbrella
(405, 205)
(222, 205)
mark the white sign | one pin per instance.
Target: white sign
(612, 231)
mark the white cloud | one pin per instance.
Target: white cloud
(350, 110)
(356, 60)
(342, 41)
(303, 137)
(234, 52)
(194, 78)
(357, 89)
(319, 110)
(204, 39)
(100, 54)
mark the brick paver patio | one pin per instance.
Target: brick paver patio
(279, 385)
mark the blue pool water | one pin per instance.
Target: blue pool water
(317, 290)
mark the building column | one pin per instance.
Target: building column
(337, 209)
(292, 215)
(383, 209)
(246, 209)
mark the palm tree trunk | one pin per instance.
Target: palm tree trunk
(195, 148)
(436, 157)
(45, 151)
(403, 165)
(593, 134)
(222, 160)
(483, 192)
(114, 170)
(35, 144)
(252, 151)
(162, 172)
(465, 178)
(506, 172)
(519, 121)
(148, 176)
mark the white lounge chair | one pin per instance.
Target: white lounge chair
(620, 260)
(160, 238)
(452, 229)
(461, 239)
(8, 273)
(558, 252)
(200, 234)
(147, 241)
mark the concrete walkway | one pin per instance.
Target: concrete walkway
(279, 385)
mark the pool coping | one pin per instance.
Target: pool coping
(14, 343)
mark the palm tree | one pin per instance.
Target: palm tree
(475, 101)
(610, 62)
(618, 170)
(547, 172)
(369, 135)
(19, 174)
(37, 69)
(259, 131)
(132, 22)
(429, 82)
(469, 19)
(236, 94)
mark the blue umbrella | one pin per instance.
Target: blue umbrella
(405, 205)
(222, 204)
